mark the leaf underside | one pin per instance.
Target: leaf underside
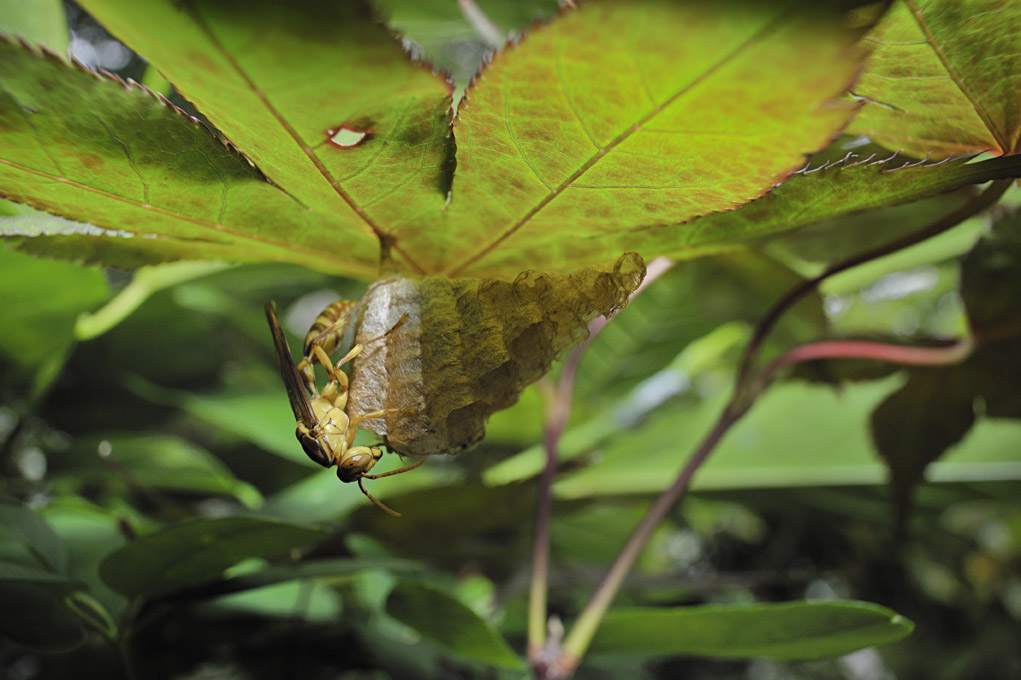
(613, 127)
(601, 123)
(944, 78)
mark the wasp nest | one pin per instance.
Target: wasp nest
(441, 355)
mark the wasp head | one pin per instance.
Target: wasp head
(357, 461)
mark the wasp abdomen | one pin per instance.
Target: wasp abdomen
(329, 328)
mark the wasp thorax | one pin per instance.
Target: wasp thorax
(441, 355)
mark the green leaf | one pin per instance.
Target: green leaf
(41, 21)
(35, 617)
(440, 617)
(833, 190)
(620, 117)
(944, 77)
(262, 418)
(455, 524)
(89, 533)
(322, 497)
(548, 151)
(322, 571)
(55, 237)
(798, 435)
(683, 305)
(16, 571)
(158, 462)
(194, 552)
(449, 42)
(42, 300)
(705, 354)
(789, 631)
(286, 600)
(991, 282)
(95, 150)
(645, 336)
(936, 407)
(918, 423)
(834, 240)
(950, 245)
(20, 523)
(318, 68)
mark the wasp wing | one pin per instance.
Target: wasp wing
(289, 372)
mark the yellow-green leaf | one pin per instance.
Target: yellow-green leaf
(612, 117)
(626, 115)
(96, 150)
(284, 81)
(944, 78)
(40, 21)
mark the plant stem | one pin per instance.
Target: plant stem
(556, 416)
(558, 411)
(977, 204)
(584, 629)
(877, 351)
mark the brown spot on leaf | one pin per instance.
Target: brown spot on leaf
(201, 59)
(90, 160)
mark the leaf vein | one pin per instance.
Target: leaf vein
(562, 84)
(709, 71)
(35, 131)
(517, 145)
(305, 148)
(174, 215)
(923, 24)
(127, 154)
(644, 186)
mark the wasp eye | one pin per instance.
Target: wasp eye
(354, 466)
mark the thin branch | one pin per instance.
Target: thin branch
(987, 198)
(584, 629)
(559, 400)
(952, 353)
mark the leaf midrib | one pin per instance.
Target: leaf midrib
(381, 234)
(458, 269)
(326, 257)
(930, 38)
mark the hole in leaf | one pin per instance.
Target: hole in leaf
(346, 137)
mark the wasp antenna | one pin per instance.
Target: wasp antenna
(398, 471)
(379, 504)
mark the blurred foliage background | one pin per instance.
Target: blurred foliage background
(134, 401)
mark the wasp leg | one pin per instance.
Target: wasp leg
(337, 377)
(359, 417)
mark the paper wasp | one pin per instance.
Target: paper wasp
(324, 429)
